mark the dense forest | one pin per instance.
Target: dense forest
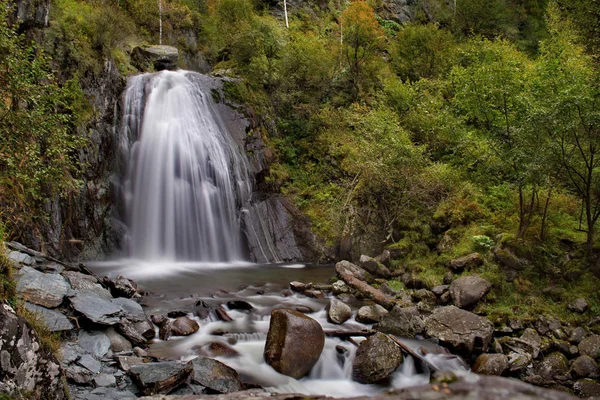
(431, 128)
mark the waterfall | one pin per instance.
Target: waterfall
(184, 178)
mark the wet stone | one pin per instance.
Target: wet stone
(95, 342)
(96, 309)
(47, 290)
(184, 326)
(216, 376)
(53, 320)
(160, 377)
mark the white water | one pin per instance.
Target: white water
(185, 178)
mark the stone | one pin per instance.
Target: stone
(128, 330)
(586, 388)
(554, 365)
(440, 290)
(222, 315)
(579, 306)
(590, 346)
(160, 377)
(425, 296)
(87, 283)
(384, 258)
(95, 342)
(298, 286)
(462, 330)
(118, 343)
(145, 328)
(90, 363)
(217, 349)
(96, 309)
(126, 362)
(105, 380)
(491, 364)
(338, 312)
(404, 322)
(47, 290)
(376, 358)
(346, 267)
(577, 335)
(131, 309)
(412, 281)
(69, 352)
(315, 294)
(520, 346)
(177, 313)
(466, 291)
(518, 362)
(156, 57)
(184, 326)
(239, 305)
(339, 287)
(25, 365)
(374, 267)
(216, 376)
(294, 342)
(585, 367)
(19, 258)
(53, 320)
(138, 351)
(79, 375)
(448, 278)
(122, 287)
(370, 314)
(469, 261)
(164, 330)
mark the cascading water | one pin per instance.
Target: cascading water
(185, 179)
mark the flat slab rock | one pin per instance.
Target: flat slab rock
(153, 378)
(53, 320)
(96, 309)
(47, 290)
(464, 331)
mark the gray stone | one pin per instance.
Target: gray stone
(79, 375)
(586, 388)
(425, 296)
(376, 358)
(216, 376)
(370, 314)
(470, 261)
(518, 362)
(298, 286)
(126, 362)
(339, 287)
(338, 312)
(590, 346)
(145, 328)
(440, 290)
(128, 330)
(462, 330)
(577, 335)
(374, 267)
(490, 364)
(578, 306)
(585, 367)
(466, 291)
(96, 309)
(157, 57)
(70, 352)
(184, 326)
(53, 320)
(90, 363)
(160, 377)
(95, 342)
(46, 290)
(555, 365)
(19, 258)
(122, 287)
(131, 309)
(118, 343)
(404, 322)
(347, 267)
(105, 380)
(294, 342)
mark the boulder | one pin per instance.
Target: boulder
(338, 312)
(294, 342)
(118, 343)
(239, 305)
(370, 314)
(130, 309)
(160, 377)
(164, 326)
(346, 267)
(145, 328)
(490, 364)
(122, 287)
(590, 346)
(105, 380)
(27, 366)
(585, 367)
(129, 331)
(215, 376)
(469, 261)
(374, 267)
(90, 363)
(586, 388)
(126, 362)
(425, 296)
(157, 57)
(96, 309)
(217, 349)
(466, 291)
(95, 343)
(404, 322)
(518, 362)
(298, 286)
(53, 320)
(87, 283)
(339, 287)
(376, 358)
(47, 290)
(464, 331)
(184, 326)
(412, 281)
(440, 290)
(578, 306)
(577, 335)
(79, 375)
(555, 365)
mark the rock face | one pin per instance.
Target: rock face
(466, 291)
(183, 326)
(47, 290)
(294, 342)
(462, 330)
(216, 376)
(338, 312)
(160, 377)
(490, 364)
(401, 322)
(26, 367)
(376, 358)
(148, 58)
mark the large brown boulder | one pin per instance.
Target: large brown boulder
(376, 358)
(462, 330)
(466, 291)
(184, 326)
(294, 342)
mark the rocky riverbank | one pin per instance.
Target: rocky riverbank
(108, 338)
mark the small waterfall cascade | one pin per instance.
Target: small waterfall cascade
(184, 177)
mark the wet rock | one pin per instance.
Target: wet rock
(370, 314)
(338, 312)
(118, 343)
(126, 362)
(145, 328)
(462, 330)
(25, 366)
(555, 365)
(53, 320)
(128, 330)
(590, 346)
(160, 377)
(315, 294)
(374, 267)
(340, 287)
(222, 315)
(177, 313)
(90, 363)
(95, 342)
(346, 267)
(87, 283)
(184, 326)
(164, 329)
(130, 309)
(578, 306)
(105, 380)
(138, 351)
(217, 349)
(294, 342)
(585, 367)
(157, 57)
(586, 388)
(215, 376)
(376, 358)
(470, 261)
(490, 364)
(304, 309)
(122, 287)
(401, 322)
(47, 290)
(466, 291)
(298, 286)
(239, 305)
(96, 309)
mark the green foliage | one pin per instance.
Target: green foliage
(482, 242)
